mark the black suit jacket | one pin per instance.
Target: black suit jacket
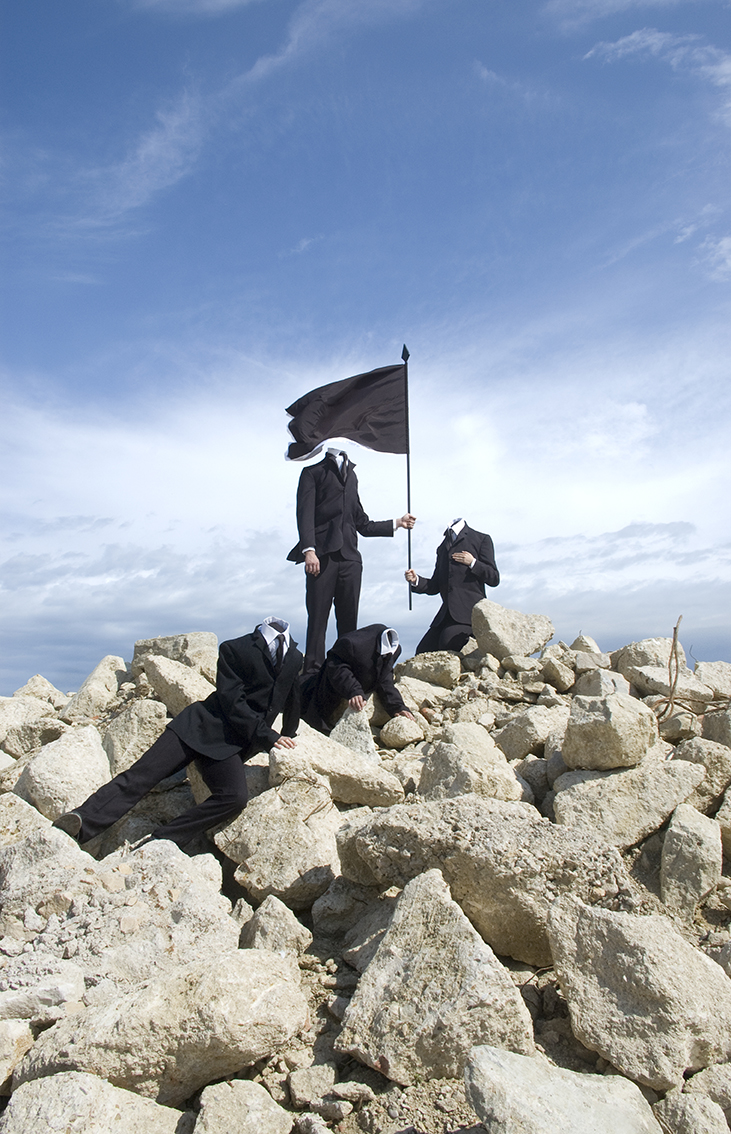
(354, 667)
(459, 585)
(249, 696)
(330, 516)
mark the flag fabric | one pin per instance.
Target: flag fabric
(367, 408)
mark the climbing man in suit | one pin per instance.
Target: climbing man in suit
(257, 679)
(360, 663)
(330, 517)
(465, 565)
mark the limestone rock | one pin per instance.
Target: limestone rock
(647, 1001)
(274, 927)
(715, 1082)
(526, 732)
(18, 819)
(500, 631)
(439, 668)
(716, 759)
(308, 1085)
(432, 991)
(601, 683)
(243, 1107)
(691, 859)
(416, 693)
(38, 686)
(16, 1037)
(284, 841)
(23, 713)
(43, 1001)
(98, 691)
(586, 644)
(690, 1114)
(176, 685)
(193, 650)
(557, 674)
(609, 732)
(717, 676)
(648, 651)
(171, 1036)
(132, 732)
(589, 662)
(655, 679)
(353, 731)
(352, 865)
(623, 807)
(717, 726)
(406, 765)
(400, 731)
(65, 772)
(515, 1094)
(77, 1103)
(449, 770)
(352, 777)
(723, 818)
(503, 864)
(342, 905)
(361, 942)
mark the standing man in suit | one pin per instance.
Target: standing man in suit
(360, 663)
(465, 564)
(330, 518)
(257, 679)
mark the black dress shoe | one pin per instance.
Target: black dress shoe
(70, 822)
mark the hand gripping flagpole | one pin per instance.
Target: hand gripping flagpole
(405, 356)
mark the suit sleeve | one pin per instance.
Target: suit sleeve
(342, 679)
(485, 569)
(306, 492)
(427, 586)
(367, 527)
(388, 694)
(292, 710)
(245, 721)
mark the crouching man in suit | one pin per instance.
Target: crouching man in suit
(465, 564)
(257, 679)
(360, 663)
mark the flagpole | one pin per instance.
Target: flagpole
(405, 356)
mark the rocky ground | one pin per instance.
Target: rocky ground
(509, 914)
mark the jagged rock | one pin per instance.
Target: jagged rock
(682, 725)
(601, 683)
(586, 644)
(98, 691)
(534, 770)
(691, 859)
(176, 685)
(353, 868)
(716, 759)
(401, 731)
(504, 865)
(361, 941)
(715, 1082)
(522, 664)
(342, 905)
(132, 732)
(308, 1085)
(647, 1001)
(416, 693)
(75, 1101)
(24, 721)
(65, 772)
(450, 770)
(18, 819)
(38, 686)
(274, 927)
(194, 650)
(285, 842)
(588, 662)
(43, 1002)
(561, 676)
(407, 766)
(717, 676)
(526, 733)
(16, 1037)
(441, 667)
(690, 1114)
(352, 778)
(723, 818)
(515, 1094)
(172, 1035)
(609, 732)
(476, 711)
(471, 656)
(432, 991)
(353, 731)
(243, 1107)
(648, 651)
(623, 807)
(717, 726)
(649, 679)
(500, 631)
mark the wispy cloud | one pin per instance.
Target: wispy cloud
(191, 7)
(301, 246)
(573, 13)
(716, 254)
(500, 83)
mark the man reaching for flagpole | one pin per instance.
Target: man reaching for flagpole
(330, 517)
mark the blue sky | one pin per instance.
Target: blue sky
(212, 206)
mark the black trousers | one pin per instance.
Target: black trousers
(338, 583)
(444, 634)
(225, 779)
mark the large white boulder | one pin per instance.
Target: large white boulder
(21, 717)
(352, 777)
(690, 1114)
(608, 732)
(646, 1000)
(451, 770)
(243, 1107)
(686, 687)
(172, 1035)
(691, 862)
(717, 676)
(65, 772)
(132, 732)
(198, 650)
(717, 726)
(16, 1037)
(353, 731)
(439, 668)
(18, 819)
(176, 685)
(38, 686)
(528, 731)
(716, 759)
(399, 732)
(648, 651)
(500, 631)
(98, 691)
(432, 991)
(274, 927)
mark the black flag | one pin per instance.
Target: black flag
(368, 408)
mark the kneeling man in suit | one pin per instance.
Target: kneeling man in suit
(360, 663)
(465, 564)
(257, 680)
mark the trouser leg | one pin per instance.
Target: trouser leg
(347, 595)
(454, 636)
(226, 780)
(431, 639)
(319, 595)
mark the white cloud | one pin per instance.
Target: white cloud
(716, 253)
(192, 7)
(573, 13)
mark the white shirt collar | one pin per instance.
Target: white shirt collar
(457, 525)
(339, 456)
(271, 627)
(389, 642)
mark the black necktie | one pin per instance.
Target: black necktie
(451, 536)
(279, 660)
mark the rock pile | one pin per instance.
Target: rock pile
(509, 914)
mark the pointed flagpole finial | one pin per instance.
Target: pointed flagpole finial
(405, 354)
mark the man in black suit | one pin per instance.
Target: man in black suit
(360, 663)
(257, 679)
(465, 564)
(330, 518)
